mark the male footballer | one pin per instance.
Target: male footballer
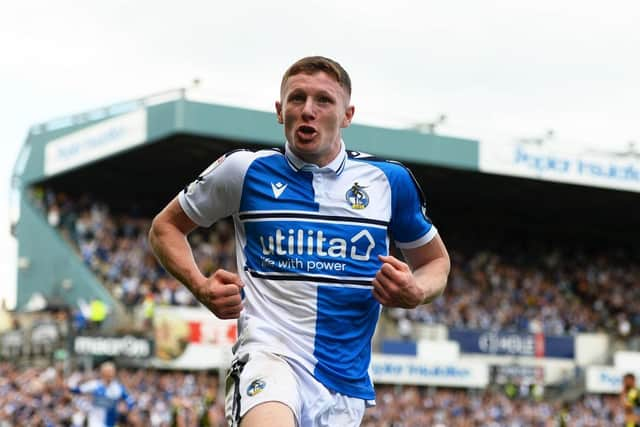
(313, 222)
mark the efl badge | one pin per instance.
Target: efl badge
(214, 165)
(357, 197)
(256, 387)
(189, 189)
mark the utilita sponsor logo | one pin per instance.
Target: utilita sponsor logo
(314, 242)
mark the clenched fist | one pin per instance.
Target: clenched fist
(395, 285)
(221, 293)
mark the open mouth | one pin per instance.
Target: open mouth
(306, 132)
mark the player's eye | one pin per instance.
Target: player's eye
(296, 97)
(324, 100)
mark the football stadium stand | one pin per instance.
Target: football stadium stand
(544, 288)
(536, 327)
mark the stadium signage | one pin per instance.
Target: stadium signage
(626, 360)
(126, 346)
(411, 370)
(95, 142)
(12, 344)
(493, 343)
(505, 373)
(606, 379)
(192, 338)
(40, 339)
(45, 337)
(532, 161)
(513, 344)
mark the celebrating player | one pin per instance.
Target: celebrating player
(312, 228)
(106, 393)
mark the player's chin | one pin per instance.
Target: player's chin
(305, 146)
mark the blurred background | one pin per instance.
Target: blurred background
(518, 120)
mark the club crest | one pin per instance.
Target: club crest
(357, 197)
(256, 387)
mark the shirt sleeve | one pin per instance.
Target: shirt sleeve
(410, 225)
(216, 192)
(88, 387)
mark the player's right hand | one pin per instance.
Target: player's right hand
(221, 293)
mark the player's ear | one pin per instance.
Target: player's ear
(279, 112)
(348, 116)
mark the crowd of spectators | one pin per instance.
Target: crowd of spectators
(41, 397)
(532, 289)
(538, 290)
(412, 406)
(116, 248)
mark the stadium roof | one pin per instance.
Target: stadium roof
(72, 142)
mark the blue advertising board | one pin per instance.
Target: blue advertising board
(513, 343)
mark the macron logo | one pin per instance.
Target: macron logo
(278, 189)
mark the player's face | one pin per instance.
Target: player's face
(108, 373)
(313, 108)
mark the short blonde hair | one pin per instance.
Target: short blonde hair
(315, 64)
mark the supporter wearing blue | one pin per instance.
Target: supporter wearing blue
(312, 224)
(106, 394)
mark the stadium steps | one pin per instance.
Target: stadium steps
(50, 266)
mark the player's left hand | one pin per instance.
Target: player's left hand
(395, 286)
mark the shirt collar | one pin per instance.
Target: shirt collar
(336, 165)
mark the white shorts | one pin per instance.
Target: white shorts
(261, 377)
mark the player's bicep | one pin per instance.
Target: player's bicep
(173, 215)
(410, 225)
(427, 253)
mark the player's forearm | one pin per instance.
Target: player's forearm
(172, 250)
(432, 278)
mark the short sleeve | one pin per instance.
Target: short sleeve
(88, 387)
(216, 192)
(410, 225)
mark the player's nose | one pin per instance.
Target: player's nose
(308, 109)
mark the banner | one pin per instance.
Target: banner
(95, 142)
(607, 379)
(504, 374)
(126, 346)
(39, 339)
(13, 344)
(513, 344)
(626, 360)
(192, 338)
(387, 369)
(608, 170)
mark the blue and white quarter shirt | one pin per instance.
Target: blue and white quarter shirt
(104, 401)
(307, 243)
